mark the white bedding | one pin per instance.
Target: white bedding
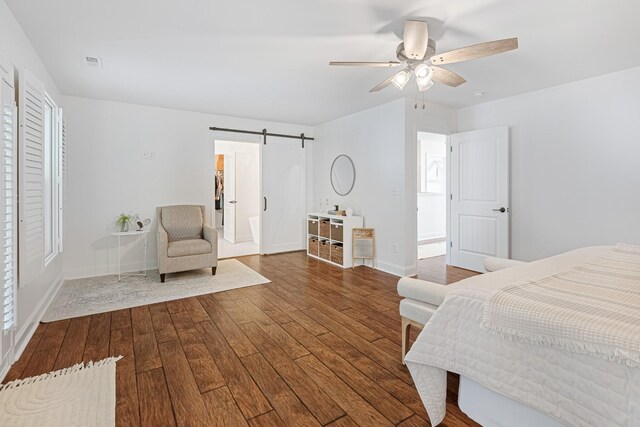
(577, 389)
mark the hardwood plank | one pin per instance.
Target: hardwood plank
(282, 399)
(17, 368)
(121, 343)
(187, 402)
(163, 324)
(345, 421)
(45, 354)
(312, 395)
(155, 403)
(147, 356)
(195, 310)
(238, 342)
(270, 419)
(241, 385)
(378, 397)
(121, 319)
(73, 344)
(223, 409)
(97, 345)
(352, 403)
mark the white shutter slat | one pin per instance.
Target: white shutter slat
(8, 200)
(62, 192)
(31, 159)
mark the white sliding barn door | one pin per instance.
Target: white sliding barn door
(230, 200)
(284, 196)
(479, 210)
(31, 165)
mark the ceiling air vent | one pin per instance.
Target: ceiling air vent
(93, 61)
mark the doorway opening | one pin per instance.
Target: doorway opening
(431, 198)
(237, 198)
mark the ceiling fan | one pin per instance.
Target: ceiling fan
(417, 53)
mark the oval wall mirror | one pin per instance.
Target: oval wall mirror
(343, 175)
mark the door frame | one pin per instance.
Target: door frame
(413, 195)
(248, 139)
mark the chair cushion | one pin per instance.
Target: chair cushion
(182, 222)
(417, 311)
(188, 247)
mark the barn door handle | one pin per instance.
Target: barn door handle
(265, 204)
(501, 210)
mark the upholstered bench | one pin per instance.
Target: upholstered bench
(422, 298)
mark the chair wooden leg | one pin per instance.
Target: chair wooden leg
(162, 278)
(213, 270)
(406, 333)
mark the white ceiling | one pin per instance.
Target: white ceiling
(268, 59)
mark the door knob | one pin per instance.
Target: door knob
(501, 210)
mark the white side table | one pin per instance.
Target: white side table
(137, 235)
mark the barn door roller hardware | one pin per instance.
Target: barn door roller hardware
(264, 134)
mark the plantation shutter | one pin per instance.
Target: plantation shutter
(8, 196)
(31, 165)
(62, 178)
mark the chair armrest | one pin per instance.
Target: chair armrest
(210, 234)
(495, 264)
(421, 290)
(163, 241)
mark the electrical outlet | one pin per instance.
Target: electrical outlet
(394, 191)
(395, 248)
(148, 155)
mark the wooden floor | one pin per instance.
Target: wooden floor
(318, 346)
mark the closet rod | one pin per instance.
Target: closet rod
(264, 133)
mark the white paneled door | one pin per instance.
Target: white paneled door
(284, 196)
(479, 211)
(230, 197)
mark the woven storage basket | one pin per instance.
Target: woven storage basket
(313, 246)
(324, 228)
(336, 232)
(325, 251)
(337, 253)
(313, 227)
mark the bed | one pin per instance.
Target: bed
(507, 381)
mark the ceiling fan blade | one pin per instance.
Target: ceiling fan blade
(381, 64)
(416, 38)
(447, 77)
(383, 84)
(475, 51)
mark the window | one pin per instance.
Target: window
(51, 181)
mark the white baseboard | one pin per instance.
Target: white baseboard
(393, 269)
(432, 236)
(105, 270)
(26, 332)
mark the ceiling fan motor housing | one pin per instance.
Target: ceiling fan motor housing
(402, 56)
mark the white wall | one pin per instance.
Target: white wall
(31, 300)
(247, 183)
(106, 174)
(432, 207)
(381, 141)
(575, 158)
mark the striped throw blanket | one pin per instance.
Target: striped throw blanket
(591, 308)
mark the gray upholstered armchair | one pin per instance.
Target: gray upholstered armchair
(185, 242)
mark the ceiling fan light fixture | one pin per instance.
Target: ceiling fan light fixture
(423, 71)
(424, 83)
(400, 80)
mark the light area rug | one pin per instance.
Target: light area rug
(82, 395)
(83, 297)
(432, 250)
